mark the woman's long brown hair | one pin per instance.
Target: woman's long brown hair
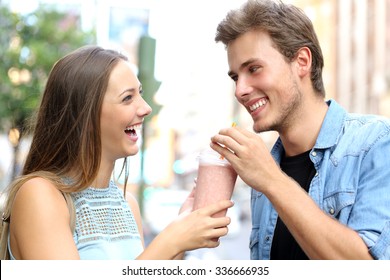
(66, 136)
(66, 131)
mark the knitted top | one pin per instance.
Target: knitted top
(105, 225)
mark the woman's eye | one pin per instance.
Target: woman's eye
(127, 98)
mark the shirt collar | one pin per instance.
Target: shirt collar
(329, 133)
(332, 126)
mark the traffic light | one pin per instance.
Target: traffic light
(146, 59)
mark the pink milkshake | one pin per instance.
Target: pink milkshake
(215, 181)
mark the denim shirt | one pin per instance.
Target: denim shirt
(352, 182)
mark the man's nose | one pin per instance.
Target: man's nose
(243, 88)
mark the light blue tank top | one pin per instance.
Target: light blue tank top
(105, 225)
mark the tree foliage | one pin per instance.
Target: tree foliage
(29, 46)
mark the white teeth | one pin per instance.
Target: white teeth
(258, 104)
(134, 127)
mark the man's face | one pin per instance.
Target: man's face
(266, 84)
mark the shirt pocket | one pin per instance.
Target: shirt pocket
(254, 243)
(339, 204)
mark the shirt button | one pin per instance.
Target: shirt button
(314, 153)
(316, 174)
(267, 238)
(331, 211)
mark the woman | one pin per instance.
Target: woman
(91, 110)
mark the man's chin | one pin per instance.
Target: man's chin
(259, 128)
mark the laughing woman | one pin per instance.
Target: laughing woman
(65, 205)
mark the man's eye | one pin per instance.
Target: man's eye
(234, 78)
(253, 69)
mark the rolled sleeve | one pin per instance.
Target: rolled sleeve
(381, 248)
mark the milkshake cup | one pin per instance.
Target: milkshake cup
(215, 181)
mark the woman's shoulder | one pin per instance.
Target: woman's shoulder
(130, 198)
(38, 187)
(134, 206)
(39, 196)
(40, 222)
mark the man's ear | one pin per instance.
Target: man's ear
(303, 61)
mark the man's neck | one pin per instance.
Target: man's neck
(301, 136)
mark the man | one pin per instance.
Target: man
(324, 191)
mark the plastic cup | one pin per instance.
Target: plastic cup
(215, 181)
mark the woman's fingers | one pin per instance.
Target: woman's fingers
(222, 222)
(220, 231)
(215, 236)
(217, 207)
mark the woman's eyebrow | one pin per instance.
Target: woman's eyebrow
(126, 90)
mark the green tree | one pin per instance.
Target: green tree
(29, 46)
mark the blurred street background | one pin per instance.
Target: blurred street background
(184, 73)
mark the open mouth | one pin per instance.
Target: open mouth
(132, 130)
(258, 104)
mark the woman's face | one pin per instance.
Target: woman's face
(123, 112)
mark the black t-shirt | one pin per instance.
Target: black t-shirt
(284, 246)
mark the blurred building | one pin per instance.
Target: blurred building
(198, 96)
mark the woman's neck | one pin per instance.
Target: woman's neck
(104, 175)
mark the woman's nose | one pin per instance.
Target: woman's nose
(145, 108)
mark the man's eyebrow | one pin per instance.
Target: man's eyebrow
(243, 65)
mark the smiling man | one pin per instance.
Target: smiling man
(324, 190)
